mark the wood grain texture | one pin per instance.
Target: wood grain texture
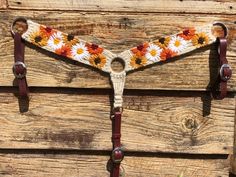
(75, 123)
(170, 6)
(116, 32)
(233, 156)
(76, 165)
(3, 4)
(186, 124)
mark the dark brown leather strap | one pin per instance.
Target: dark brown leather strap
(117, 153)
(19, 68)
(225, 69)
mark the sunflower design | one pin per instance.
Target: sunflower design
(138, 61)
(162, 42)
(97, 60)
(188, 33)
(94, 49)
(153, 53)
(80, 51)
(167, 54)
(69, 39)
(177, 44)
(64, 51)
(46, 31)
(38, 38)
(200, 40)
(140, 50)
(56, 41)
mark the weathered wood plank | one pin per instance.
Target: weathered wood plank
(80, 165)
(76, 120)
(3, 4)
(233, 155)
(170, 6)
(115, 32)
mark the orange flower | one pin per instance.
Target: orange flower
(140, 50)
(162, 42)
(64, 51)
(46, 31)
(138, 61)
(97, 60)
(187, 34)
(94, 49)
(167, 54)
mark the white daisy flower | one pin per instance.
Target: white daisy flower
(177, 44)
(56, 41)
(153, 53)
(80, 51)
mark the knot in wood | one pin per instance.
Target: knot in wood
(191, 123)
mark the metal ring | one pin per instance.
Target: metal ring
(121, 61)
(16, 20)
(223, 27)
(117, 109)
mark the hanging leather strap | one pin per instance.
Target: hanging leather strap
(19, 68)
(117, 153)
(225, 69)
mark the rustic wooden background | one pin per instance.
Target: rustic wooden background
(170, 126)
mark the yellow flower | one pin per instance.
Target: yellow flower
(38, 38)
(200, 40)
(97, 60)
(138, 61)
(162, 42)
(69, 40)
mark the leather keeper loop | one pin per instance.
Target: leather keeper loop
(225, 71)
(19, 67)
(117, 154)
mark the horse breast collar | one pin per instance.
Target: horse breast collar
(96, 56)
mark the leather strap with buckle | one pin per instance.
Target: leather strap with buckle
(225, 72)
(19, 67)
(117, 153)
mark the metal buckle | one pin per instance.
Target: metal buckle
(19, 75)
(117, 155)
(222, 75)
